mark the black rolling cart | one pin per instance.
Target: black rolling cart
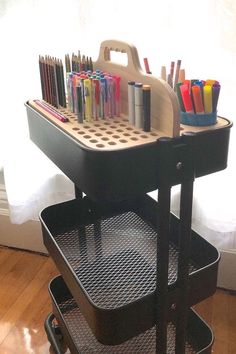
(130, 269)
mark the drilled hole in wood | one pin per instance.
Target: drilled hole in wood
(81, 132)
(92, 130)
(133, 138)
(144, 136)
(126, 134)
(75, 128)
(105, 139)
(115, 136)
(86, 126)
(98, 134)
(87, 136)
(123, 141)
(93, 141)
(111, 143)
(100, 145)
(102, 128)
(120, 130)
(109, 132)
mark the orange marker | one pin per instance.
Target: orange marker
(197, 99)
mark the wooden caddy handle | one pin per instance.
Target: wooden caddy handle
(165, 112)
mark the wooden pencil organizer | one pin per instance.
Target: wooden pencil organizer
(112, 160)
(117, 133)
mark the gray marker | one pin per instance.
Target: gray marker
(131, 102)
(138, 99)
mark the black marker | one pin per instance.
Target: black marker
(147, 108)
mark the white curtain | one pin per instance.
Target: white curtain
(202, 33)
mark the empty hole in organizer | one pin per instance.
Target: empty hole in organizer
(129, 128)
(81, 132)
(136, 132)
(123, 141)
(92, 130)
(115, 136)
(112, 126)
(75, 128)
(154, 134)
(122, 125)
(103, 128)
(133, 138)
(109, 132)
(120, 130)
(87, 136)
(126, 134)
(100, 145)
(87, 126)
(116, 121)
(93, 141)
(144, 136)
(107, 123)
(105, 138)
(111, 143)
(98, 134)
(96, 124)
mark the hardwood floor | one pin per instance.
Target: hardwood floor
(25, 303)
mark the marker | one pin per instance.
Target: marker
(178, 92)
(146, 108)
(79, 104)
(207, 98)
(131, 103)
(215, 96)
(102, 97)
(138, 100)
(197, 99)
(186, 98)
(88, 99)
(117, 95)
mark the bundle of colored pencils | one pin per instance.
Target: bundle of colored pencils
(78, 63)
(198, 96)
(52, 81)
(93, 95)
(175, 75)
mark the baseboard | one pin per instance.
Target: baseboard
(227, 270)
(27, 236)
